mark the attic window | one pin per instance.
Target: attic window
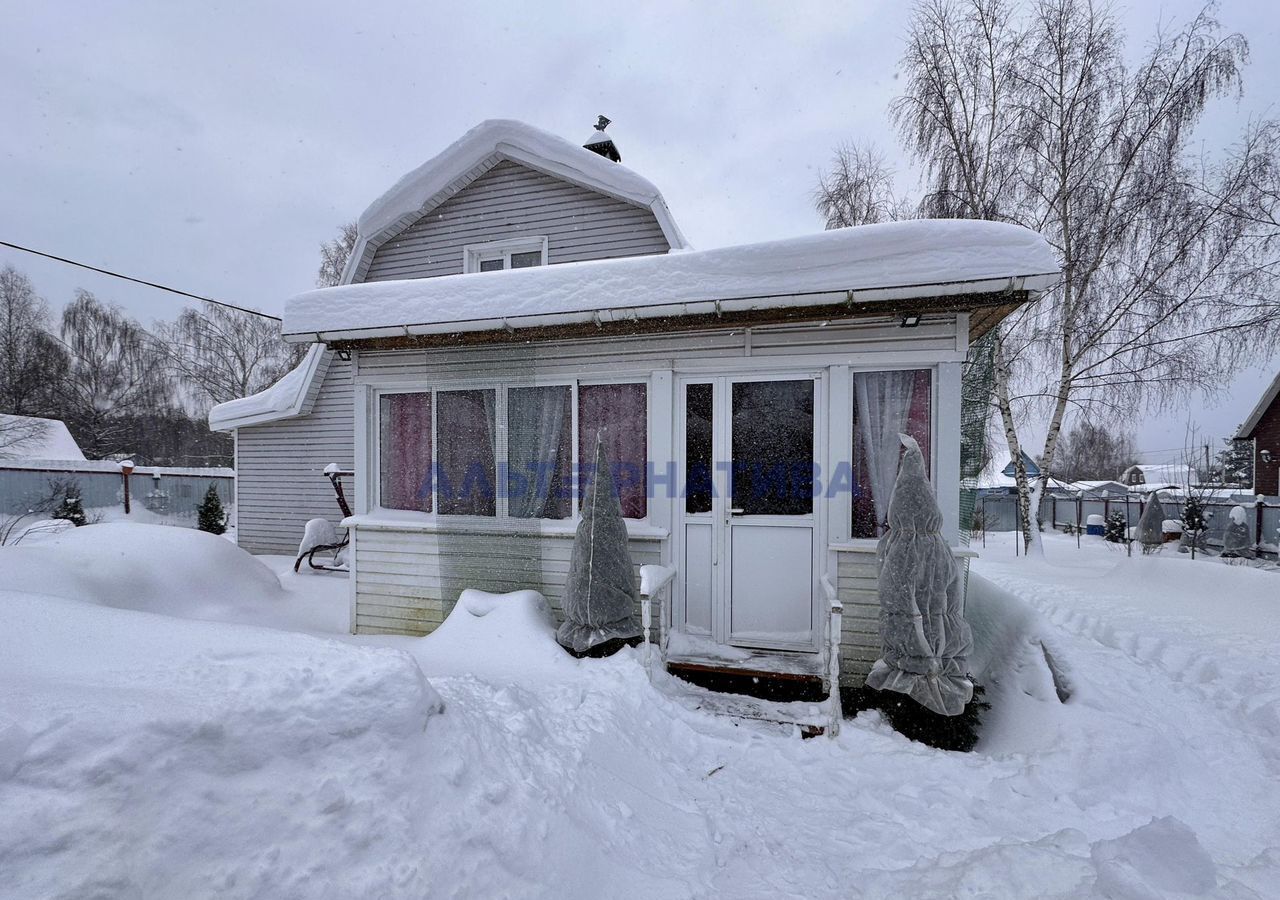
(520, 253)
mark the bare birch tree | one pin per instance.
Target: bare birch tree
(858, 189)
(31, 362)
(1166, 278)
(116, 372)
(334, 255)
(220, 354)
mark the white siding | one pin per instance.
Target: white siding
(860, 623)
(280, 466)
(863, 343)
(511, 201)
(408, 581)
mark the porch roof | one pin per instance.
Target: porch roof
(866, 264)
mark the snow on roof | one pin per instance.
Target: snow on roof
(284, 399)
(509, 139)
(1264, 402)
(920, 258)
(1164, 473)
(27, 437)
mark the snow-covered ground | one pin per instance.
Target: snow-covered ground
(178, 719)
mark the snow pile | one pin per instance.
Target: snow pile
(151, 568)
(491, 634)
(148, 756)
(916, 257)
(1161, 859)
(284, 398)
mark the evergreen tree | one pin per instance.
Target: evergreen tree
(210, 515)
(71, 508)
(1194, 523)
(1116, 528)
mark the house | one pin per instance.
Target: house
(518, 299)
(1263, 428)
(1158, 477)
(28, 437)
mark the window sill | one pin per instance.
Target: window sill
(418, 522)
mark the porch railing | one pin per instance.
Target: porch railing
(655, 584)
(831, 652)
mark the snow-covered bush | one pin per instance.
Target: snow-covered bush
(1117, 528)
(71, 508)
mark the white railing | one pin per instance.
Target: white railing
(655, 582)
(832, 651)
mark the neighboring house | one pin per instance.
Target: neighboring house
(1263, 428)
(474, 387)
(995, 482)
(26, 437)
(1159, 477)
(1097, 488)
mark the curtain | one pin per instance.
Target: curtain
(619, 413)
(466, 453)
(539, 453)
(884, 406)
(404, 429)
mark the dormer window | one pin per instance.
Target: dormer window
(518, 253)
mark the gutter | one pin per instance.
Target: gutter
(1037, 282)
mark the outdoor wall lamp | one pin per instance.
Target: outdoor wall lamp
(1266, 456)
(910, 320)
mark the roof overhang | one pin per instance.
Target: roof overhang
(286, 399)
(877, 265)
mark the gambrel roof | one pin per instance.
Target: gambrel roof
(476, 152)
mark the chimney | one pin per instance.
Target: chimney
(601, 143)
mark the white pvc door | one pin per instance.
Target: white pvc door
(747, 536)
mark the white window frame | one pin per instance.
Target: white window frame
(502, 514)
(474, 254)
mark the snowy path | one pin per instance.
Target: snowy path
(146, 755)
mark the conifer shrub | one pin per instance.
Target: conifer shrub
(210, 515)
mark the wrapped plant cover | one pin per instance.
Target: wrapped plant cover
(600, 596)
(1238, 539)
(1151, 525)
(924, 637)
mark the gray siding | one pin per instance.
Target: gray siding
(280, 466)
(511, 201)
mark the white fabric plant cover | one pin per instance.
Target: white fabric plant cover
(1238, 539)
(924, 637)
(1151, 525)
(600, 596)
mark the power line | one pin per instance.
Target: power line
(150, 284)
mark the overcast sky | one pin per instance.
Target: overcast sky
(213, 146)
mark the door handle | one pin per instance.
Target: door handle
(737, 511)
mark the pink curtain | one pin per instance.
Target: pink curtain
(404, 426)
(466, 455)
(620, 413)
(918, 416)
